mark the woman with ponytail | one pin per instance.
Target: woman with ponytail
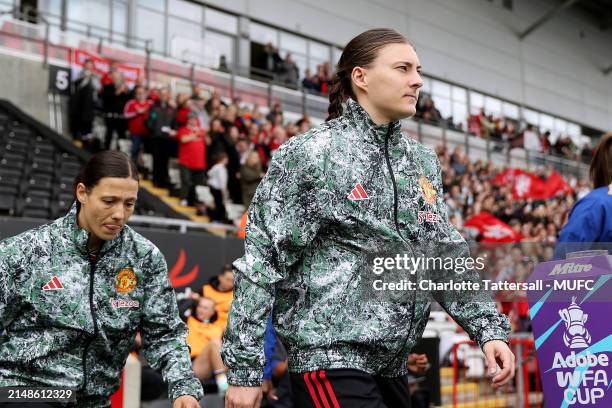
(333, 200)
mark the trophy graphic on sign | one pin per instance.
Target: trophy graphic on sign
(575, 335)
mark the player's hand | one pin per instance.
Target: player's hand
(268, 390)
(497, 353)
(417, 363)
(186, 401)
(243, 397)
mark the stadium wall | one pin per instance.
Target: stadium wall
(24, 82)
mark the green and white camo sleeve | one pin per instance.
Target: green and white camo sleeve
(283, 219)
(474, 311)
(163, 332)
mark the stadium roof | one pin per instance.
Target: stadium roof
(599, 11)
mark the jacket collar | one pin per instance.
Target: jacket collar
(80, 236)
(363, 122)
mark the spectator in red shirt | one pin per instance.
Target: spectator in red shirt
(279, 136)
(192, 157)
(183, 109)
(136, 112)
(107, 79)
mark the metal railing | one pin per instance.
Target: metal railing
(26, 22)
(490, 150)
(471, 386)
(182, 225)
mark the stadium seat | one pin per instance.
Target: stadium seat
(7, 203)
(35, 213)
(59, 208)
(39, 194)
(39, 183)
(35, 202)
(67, 197)
(17, 164)
(17, 146)
(8, 172)
(6, 190)
(43, 166)
(20, 132)
(14, 159)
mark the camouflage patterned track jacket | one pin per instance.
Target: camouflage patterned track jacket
(331, 199)
(71, 323)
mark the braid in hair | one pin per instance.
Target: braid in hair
(336, 97)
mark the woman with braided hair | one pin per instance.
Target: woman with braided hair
(332, 198)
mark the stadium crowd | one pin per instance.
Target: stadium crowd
(507, 133)
(227, 146)
(224, 145)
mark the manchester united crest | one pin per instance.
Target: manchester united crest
(125, 281)
(429, 192)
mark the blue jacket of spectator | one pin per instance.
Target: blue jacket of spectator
(590, 221)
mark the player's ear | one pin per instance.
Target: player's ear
(81, 193)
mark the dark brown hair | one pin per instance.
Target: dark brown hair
(109, 163)
(194, 309)
(361, 51)
(601, 165)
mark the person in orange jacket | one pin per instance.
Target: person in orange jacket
(220, 288)
(204, 340)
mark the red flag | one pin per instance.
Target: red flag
(492, 229)
(505, 177)
(528, 185)
(555, 184)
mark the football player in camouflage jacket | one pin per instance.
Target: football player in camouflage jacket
(74, 292)
(333, 197)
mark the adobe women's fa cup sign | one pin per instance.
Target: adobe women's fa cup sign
(572, 324)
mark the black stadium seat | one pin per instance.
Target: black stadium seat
(17, 146)
(66, 197)
(39, 183)
(9, 180)
(40, 193)
(12, 163)
(7, 203)
(38, 168)
(35, 213)
(6, 190)
(37, 203)
(14, 159)
(43, 166)
(8, 172)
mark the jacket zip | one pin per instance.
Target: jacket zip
(395, 199)
(94, 319)
(399, 232)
